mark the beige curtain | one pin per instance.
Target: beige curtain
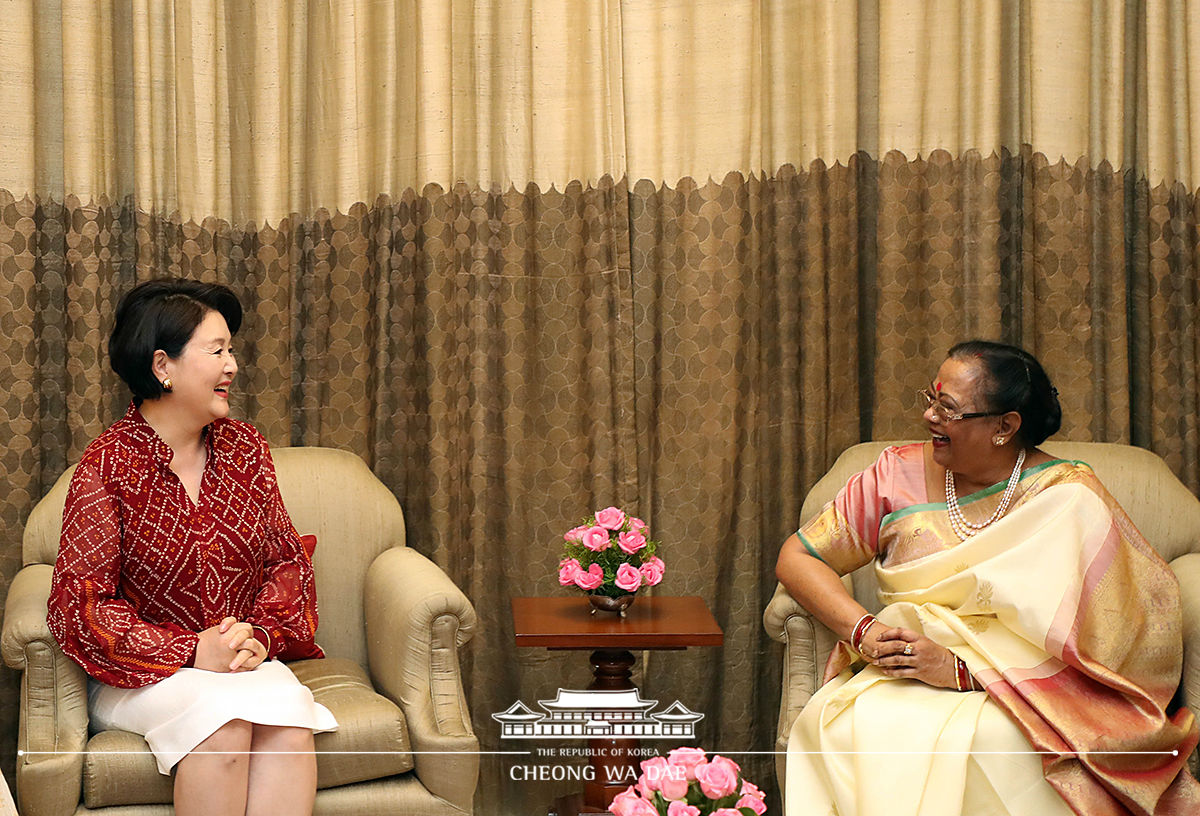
(531, 258)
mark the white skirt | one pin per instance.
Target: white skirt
(180, 712)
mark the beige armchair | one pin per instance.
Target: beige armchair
(1163, 509)
(391, 625)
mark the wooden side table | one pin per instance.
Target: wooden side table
(652, 622)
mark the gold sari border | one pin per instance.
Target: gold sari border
(978, 495)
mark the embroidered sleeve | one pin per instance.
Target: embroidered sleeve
(286, 604)
(845, 534)
(95, 627)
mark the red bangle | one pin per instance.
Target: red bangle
(860, 631)
(962, 675)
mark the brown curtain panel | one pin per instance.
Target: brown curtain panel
(532, 258)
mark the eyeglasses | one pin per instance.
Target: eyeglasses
(943, 413)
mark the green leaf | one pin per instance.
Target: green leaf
(726, 801)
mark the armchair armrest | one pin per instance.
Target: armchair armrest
(806, 641)
(53, 718)
(416, 621)
(1187, 570)
(807, 644)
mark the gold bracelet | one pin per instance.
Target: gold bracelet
(267, 644)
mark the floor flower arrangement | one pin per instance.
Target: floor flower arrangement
(688, 783)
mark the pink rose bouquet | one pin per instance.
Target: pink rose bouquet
(688, 783)
(611, 554)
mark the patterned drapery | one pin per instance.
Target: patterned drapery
(531, 258)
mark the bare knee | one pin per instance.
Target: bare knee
(232, 739)
(283, 738)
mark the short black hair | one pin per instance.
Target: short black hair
(163, 314)
(1016, 381)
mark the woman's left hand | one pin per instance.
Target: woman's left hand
(249, 650)
(905, 653)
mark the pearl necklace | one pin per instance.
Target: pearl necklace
(965, 529)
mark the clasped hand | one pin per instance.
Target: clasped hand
(900, 652)
(230, 646)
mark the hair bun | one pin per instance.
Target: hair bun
(1016, 381)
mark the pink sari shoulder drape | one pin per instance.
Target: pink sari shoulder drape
(845, 534)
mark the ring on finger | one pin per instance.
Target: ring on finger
(908, 649)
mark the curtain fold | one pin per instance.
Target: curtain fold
(744, 397)
(529, 259)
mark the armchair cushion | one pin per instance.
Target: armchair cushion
(367, 722)
(119, 769)
(371, 742)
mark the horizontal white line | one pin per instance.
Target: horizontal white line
(582, 756)
(287, 753)
(956, 753)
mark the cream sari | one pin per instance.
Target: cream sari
(1061, 610)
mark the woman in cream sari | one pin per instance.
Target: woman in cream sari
(1030, 641)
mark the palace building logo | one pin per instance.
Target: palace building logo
(598, 714)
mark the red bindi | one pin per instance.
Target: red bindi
(938, 387)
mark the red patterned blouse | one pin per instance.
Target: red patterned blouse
(141, 569)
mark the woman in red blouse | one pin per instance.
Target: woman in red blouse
(179, 574)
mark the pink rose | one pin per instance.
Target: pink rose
(719, 778)
(629, 578)
(628, 803)
(567, 568)
(621, 802)
(675, 784)
(689, 759)
(653, 770)
(643, 808)
(589, 579)
(682, 809)
(750, 789)
(575, 534)
(631, 542)
(638, 526)
(658, 775)
(726, 812)
(652, 570)
(611, 518)
(595, 539)
(752, 802)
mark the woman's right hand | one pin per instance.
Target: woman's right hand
(872, 643)
(228, 646)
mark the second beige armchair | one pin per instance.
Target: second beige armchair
(1165, 512)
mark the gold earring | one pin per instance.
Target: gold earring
(999, 440)
(166, 384)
